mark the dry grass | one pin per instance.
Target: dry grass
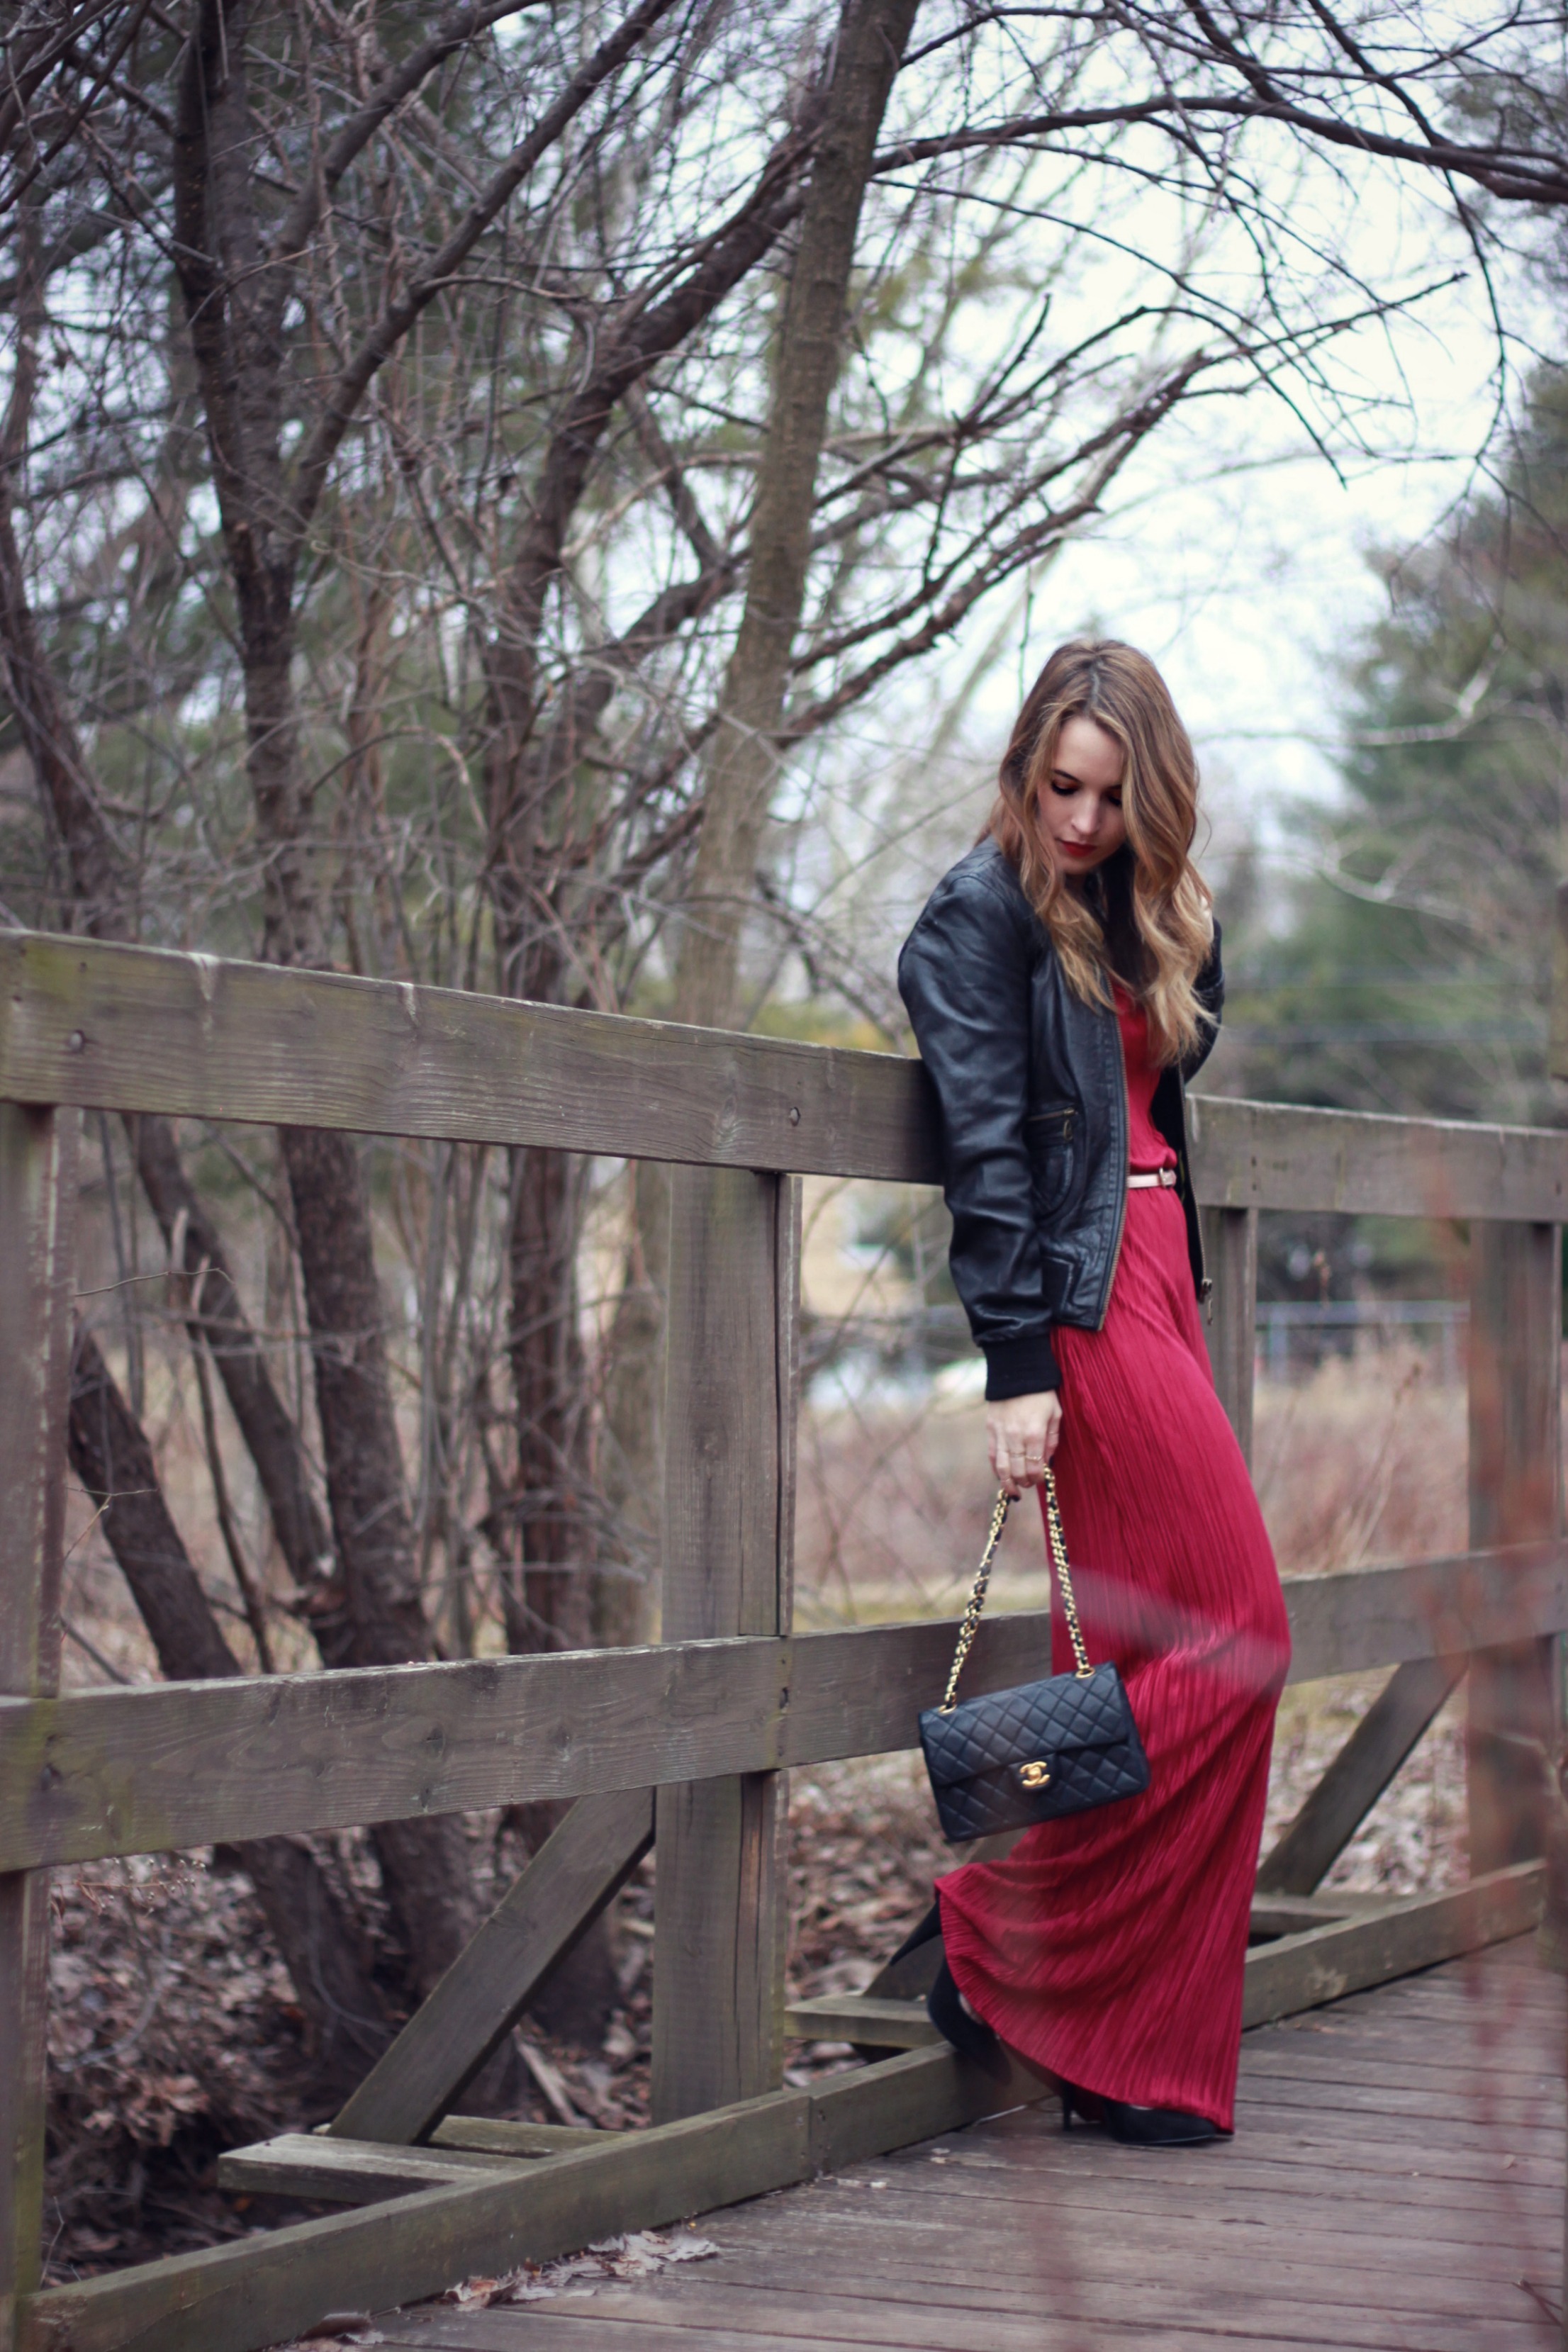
(1364, 1461)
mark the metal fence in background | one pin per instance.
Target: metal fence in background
(1294, 1334)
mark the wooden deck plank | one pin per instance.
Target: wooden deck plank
(944, 2217)
(629, 2318)
(908, 2263)
(1460, 2079)
(769, 2313)
(539, 2332)
(1395, 2179)
(982, 2221)
(1316, 2204)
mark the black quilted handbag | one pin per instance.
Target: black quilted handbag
(1047, 1749)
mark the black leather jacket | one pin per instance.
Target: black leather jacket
(1033, 1096)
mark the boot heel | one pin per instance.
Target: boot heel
(1067, 2107)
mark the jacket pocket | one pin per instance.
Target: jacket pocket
(1050, 1138)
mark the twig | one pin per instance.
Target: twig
(550, 2084)
(74, 1633)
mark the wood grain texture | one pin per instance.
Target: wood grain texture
(1230, 1255)
(1424, 1609)
(183, 1764)
(498, 2136)
(869, 2022)
(579, 1869)
(1307, 2231)
(263, 2291)
(37, 1207)
(141, 1029)
(1325, 1963)
(260, 2291)
(719, 1943)
(722, 1407)
(1296, 2221)
(1515, 1389)
(1251, 1155)
(1339, 1804)
(720, 1909)
(353, 2171)
(186, 1763)
(1114, 2307)
(894, 2102)
(1319, 1962)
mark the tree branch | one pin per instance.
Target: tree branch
(323, 441)
(400, 82)
(1511, 173)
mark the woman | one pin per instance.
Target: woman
(1063, 981)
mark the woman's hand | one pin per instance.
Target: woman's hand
(1023, 1433)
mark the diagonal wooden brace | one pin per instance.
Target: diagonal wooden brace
(580, 1868)
(1358, 1776)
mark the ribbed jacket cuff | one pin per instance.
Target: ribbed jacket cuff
(1019, 1368)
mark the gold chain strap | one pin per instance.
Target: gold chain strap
(1064, 1578)
(970, 1624)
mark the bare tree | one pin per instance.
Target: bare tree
(437, 550)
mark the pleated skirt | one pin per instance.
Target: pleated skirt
(1107, 1947)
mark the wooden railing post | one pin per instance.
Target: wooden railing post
(1230, 1252)
(37, 1202)
(730, 1371)
(1516, 1496)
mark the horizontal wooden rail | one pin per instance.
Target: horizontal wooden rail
(118, 1028)
(139, 1029)
(1257, 1155)
(185, 1764)
(271, 2286)
(1369, 1617)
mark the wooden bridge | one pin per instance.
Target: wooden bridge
(687, 1741)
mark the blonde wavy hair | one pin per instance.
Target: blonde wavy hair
(1150, 911)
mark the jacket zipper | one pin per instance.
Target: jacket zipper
(1122, 1209)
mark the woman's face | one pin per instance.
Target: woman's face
(1080, 800)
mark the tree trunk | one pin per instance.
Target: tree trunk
(264, 1421)
(99, 896)
(322, 1947)
(424, 1865)
(743, 763)
(234, 294)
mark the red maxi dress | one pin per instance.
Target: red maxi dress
(1107, 1947)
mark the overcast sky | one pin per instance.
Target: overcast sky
(1242, 568)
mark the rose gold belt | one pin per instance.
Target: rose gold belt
(1164, 1177)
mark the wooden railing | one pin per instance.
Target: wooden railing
(685, 1741)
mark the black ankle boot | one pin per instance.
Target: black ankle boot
(968, 2036)
(1137, 2126)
